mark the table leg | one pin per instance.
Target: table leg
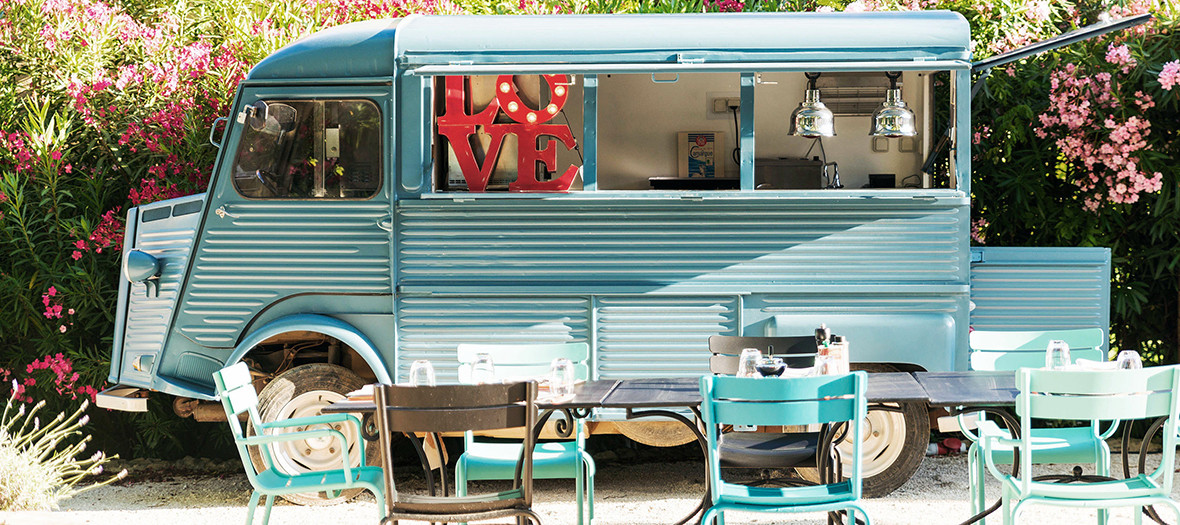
(701, 440)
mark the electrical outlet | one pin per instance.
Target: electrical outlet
(723, 104)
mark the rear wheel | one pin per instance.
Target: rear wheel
(299, 392)
(892, 446)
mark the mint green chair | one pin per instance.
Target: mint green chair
(1087, 395)
(485, 459)
(1010, 350)
(236, 389)
(774, 401)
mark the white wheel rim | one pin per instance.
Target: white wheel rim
(319, 453)
(881, 444)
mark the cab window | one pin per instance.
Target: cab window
(309, 149)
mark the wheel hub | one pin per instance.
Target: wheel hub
(882, 442)
(315, 453)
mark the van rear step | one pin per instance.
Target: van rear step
(124, 398)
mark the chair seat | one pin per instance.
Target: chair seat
(272, 482)
(1054, 445)
(458, 504)
(551, 460)
(1140, 486)
(785, 496)
(767, 449)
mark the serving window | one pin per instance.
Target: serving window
(683, 131)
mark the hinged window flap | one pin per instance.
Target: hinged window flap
(1061, 40)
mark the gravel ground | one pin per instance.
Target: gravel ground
(627, 492)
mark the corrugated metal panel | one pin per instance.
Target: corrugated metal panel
(268, 250)
(923, 329)
(660, 336)
(740, 243)
(1041, 288)
(433, 327)
(148, 316)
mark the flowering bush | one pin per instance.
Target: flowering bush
(39, 463)
(106, 105)
(1087, 158)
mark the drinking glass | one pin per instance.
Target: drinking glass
(422, 373)
(561, 377)
(825, 365)
(1129, 360)
(1057, 355)
(482, 370)
(771, 366)
(748, 362)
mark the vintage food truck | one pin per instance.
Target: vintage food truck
(387, 190)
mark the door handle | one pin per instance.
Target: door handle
(220, 212)
(385, 223)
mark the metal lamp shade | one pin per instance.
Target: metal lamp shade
(893, 118)
(812, 118)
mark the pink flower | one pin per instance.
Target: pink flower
(71, 312)
(1170, 75)
(52, 291)
(62, 328)
(76, 255)
(1038, 11)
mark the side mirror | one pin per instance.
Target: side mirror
(142, 267)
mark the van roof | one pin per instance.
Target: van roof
(374, 48)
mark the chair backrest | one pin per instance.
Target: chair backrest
(1099, 395)
(235, 387)
(523, 361)
(731, 400)
(1008, 350)
(453, 408)
(726, 349)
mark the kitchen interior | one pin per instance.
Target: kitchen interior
(643, 120)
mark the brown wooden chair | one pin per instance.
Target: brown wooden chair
(457, 408)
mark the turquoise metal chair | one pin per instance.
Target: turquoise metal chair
(1087, 395)
(485, 459)
(1010, 350)
(236, 389)
(775, 401)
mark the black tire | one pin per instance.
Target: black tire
(299, 392)
(917, 435)
(905, 461)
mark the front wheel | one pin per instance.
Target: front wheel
(299, 392)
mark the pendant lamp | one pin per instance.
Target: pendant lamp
(893, 118)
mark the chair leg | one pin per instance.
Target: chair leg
(589, 492)
(250, 509)
(579, 487)
(976, 479)
(1103, 468)
(270, 501)
(1006, 507)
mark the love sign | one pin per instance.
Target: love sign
(459, 122)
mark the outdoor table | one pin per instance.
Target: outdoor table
(656, 397)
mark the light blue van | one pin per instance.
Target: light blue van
(388, 190)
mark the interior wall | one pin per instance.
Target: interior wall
(638, 120)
